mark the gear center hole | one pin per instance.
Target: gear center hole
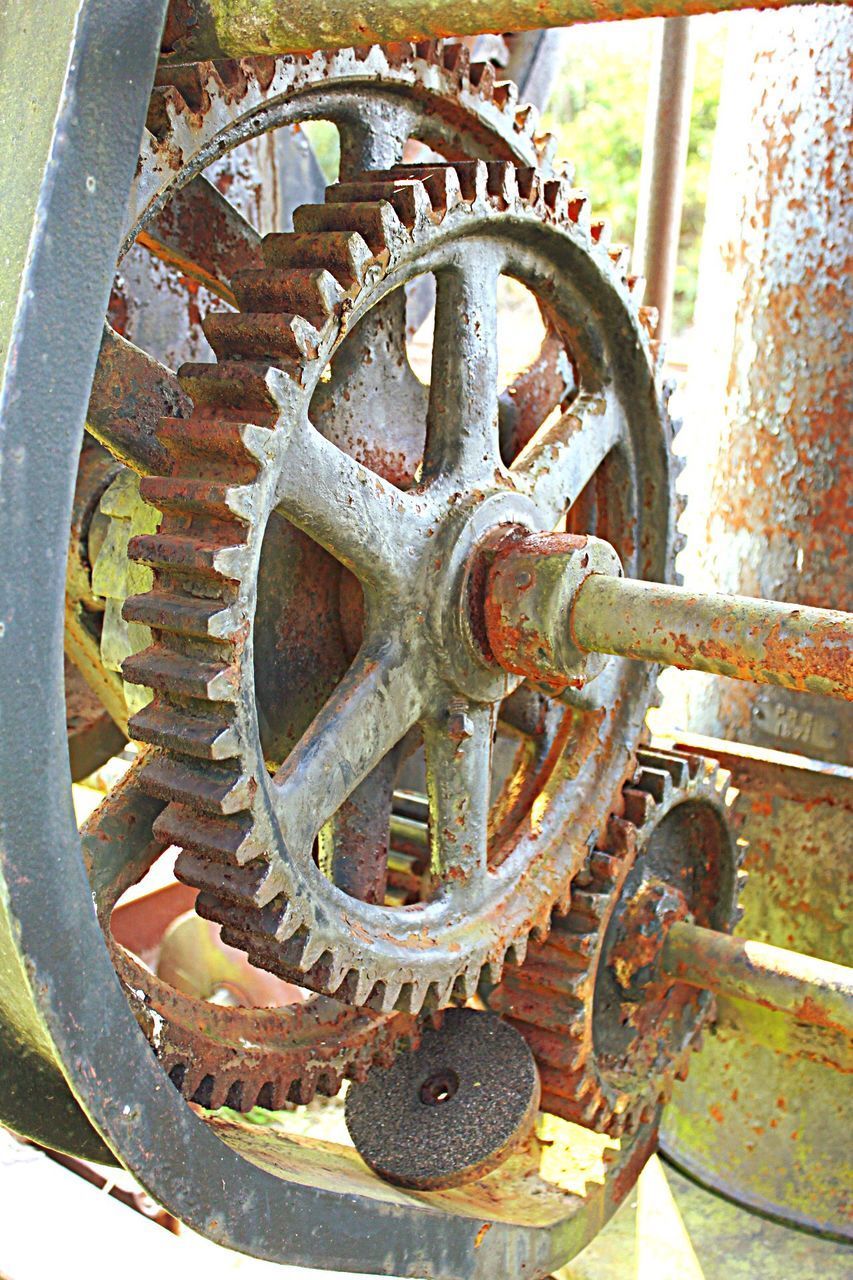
(440, 1087)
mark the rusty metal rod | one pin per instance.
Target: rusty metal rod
(200, 29)
(805, 988)
(792, 645)
(662, 170)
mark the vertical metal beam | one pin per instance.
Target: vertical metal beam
(662, 170)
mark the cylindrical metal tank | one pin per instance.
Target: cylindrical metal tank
(762, 1114)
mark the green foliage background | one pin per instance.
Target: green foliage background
(597, 112)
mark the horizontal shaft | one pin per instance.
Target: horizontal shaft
(810, 990)
(786, 644)
(201, 29)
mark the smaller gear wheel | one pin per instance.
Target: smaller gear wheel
(610, 1030)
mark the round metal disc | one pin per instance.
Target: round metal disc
(452, 1110)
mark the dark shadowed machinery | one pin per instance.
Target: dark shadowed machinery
(361, 645)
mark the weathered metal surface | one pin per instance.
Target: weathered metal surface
(609, 1030)
(772, 323)
(95, 713)
(453, 1110)
(667, 133)
(793, 645)
(76, 1012)
(73, 180)
(215, 1055)
(804, 987)
(421, 659)
(768, 403)
(531, 587)
(553, 599)
(763, 1116)
(200, 29)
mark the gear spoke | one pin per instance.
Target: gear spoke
(459, 769)
(204, 236)
(560, 460)
(527, 402)
(354, 842)
(462, 421)
(370, 711)
(374, 137)
(131, 392)
(118, 843)
(351, 511)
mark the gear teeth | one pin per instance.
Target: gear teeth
(439, 181)
(310, 292)
(184, 615)
(187, 555)
(482, 77)
(261, 335)
(648, 317)
(207, 788)
(168, 672)
(207, 737)
(620, 256)
(456, 59)
(527, 119)
(636, 286)
(430, 50)
(236, 446)
(600, 233)
(407, 196)
(677, 766)
(578, 209)
(344, 254)
(517, 950)
(657, 782)
(375, 221)
(473, 178)
(224, 838)
(549, 999)
(243, 385)
(177, 495)
(502, 184)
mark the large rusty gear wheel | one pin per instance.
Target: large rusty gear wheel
(610, 1033)
(378, 98)
(248, 840)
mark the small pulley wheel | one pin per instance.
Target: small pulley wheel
(450, 1112)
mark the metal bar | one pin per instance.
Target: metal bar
(200, 29)
(805, 988)
(662, 171)
(787, 644)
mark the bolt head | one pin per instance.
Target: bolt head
(460, 726)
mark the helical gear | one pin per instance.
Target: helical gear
(557, 998)
(247, 438)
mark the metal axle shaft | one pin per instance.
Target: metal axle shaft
(805, 988)
(556, 601)
(201, 29)
(787, 644)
